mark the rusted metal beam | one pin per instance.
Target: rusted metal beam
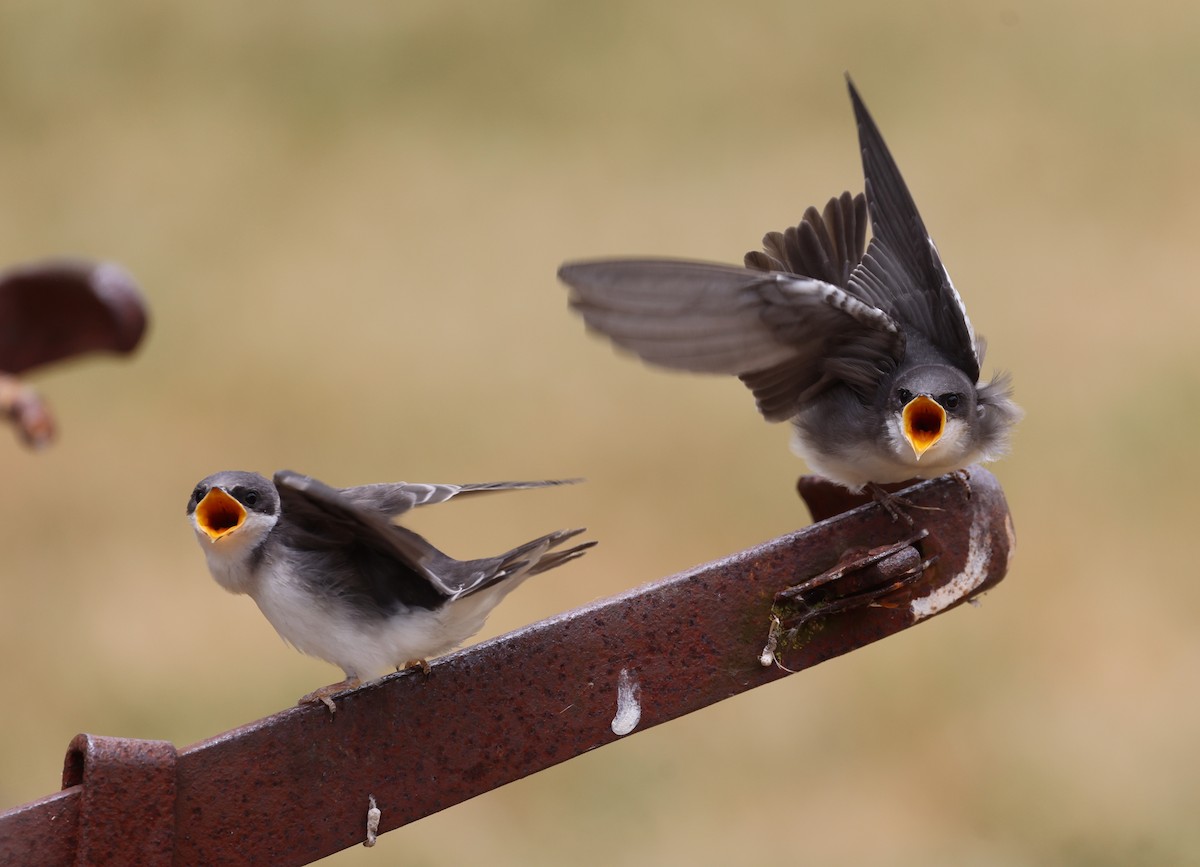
(127, 800)
(297, 786)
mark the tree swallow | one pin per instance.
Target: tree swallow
(340, 581)
(867, 349)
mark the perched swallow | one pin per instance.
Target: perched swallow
(869, 352)
(340, 581)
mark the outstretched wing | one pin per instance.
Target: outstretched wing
(787, 337)
(823, 245)
(901, 271)
(394, 499)
(391, 564)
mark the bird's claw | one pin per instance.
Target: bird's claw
(325, 694)
(894, 504)
(963, 477)
(897, 506)
(422, 664)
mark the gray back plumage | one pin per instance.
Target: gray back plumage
(355, 550)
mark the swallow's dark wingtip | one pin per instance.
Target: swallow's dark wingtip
(566, 270)
(860, 108)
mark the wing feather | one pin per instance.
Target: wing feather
(784, 335)
(395, 498)
(905, 275)
(395, 563)
(392, 564)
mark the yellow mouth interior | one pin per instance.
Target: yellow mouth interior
(219, 514)
(924, 421)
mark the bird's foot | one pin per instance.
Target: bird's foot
(895, 505)
(325, 694)
(422, 664)
(963, 477)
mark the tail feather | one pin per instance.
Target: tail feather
(554, 559)
(532, 558)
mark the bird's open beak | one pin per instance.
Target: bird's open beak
(923, 421)
(219, 514)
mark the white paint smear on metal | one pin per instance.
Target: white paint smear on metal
(629, 705)
(966, 582)
(373, 817)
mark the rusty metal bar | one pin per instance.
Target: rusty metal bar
(294, 787)
(127, 800)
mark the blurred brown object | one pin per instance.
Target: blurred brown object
(54, 310)
(25, 408)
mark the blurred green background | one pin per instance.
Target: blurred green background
(347, 219)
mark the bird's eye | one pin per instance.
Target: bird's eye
(904, 395)
(950, 400)
(250, 498)
(199, 493)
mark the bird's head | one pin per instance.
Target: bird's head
(932, 412)
(233, 510)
